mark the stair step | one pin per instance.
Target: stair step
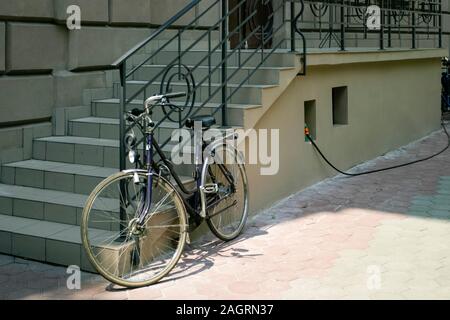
(246, 94)
(59, 176)
(264, 75)
(47, 205)
(43, 241)
(108, 128)
(42, 204)
(87, 151)
(79, 150)
(109, 108)
(248, 58)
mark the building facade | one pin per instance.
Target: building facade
(362, 91)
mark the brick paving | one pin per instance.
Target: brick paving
(382, 236)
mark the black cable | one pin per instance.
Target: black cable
(383, 169)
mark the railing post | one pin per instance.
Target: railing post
(389, 23)
(122, 158)
(342, 25)
(209, 62)
(382, 25)
(179, 55)
(440, 23)
(224, 39)
(123, 103)
(292, 9)
(413, 21)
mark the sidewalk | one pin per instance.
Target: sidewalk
(382, 236)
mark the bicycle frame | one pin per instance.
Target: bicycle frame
(151, 148)
(199, 192)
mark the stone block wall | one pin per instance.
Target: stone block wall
(44, 65)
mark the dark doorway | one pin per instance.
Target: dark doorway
(261, 23)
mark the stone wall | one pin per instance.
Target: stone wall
(40, 56)
(35, 44)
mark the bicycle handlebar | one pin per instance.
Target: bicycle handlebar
(175, 95)
(136, 114)
(155, 99)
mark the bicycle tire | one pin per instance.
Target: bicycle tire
(93, 254)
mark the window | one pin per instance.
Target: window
(310, 118)
(340, 106)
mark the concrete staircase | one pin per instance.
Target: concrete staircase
(41, 199)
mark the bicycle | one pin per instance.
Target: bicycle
(135, 223)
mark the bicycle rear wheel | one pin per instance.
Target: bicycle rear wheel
(121, 249)
(227, 219)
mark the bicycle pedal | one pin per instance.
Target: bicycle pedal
(188, 239)
(210, 188)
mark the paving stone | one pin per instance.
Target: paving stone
(399, 235)
(422, 203)
(5, 260)
(440, 213)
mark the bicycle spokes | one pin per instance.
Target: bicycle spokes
(127, 245)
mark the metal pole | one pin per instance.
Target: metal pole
(382, 26)
(292, 26)
(123, 104)
(413, 24)
(389, 24)
(122, 160)
(342, 26)
(209, 62)
(440, 23)
(224, 39)
(179, 56)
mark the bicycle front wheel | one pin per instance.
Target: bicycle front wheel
(227, 218)
(123, 248)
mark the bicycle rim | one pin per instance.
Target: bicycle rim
(122, 250)
(227, 219)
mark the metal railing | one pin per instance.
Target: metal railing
(344, 23)
(172, 60)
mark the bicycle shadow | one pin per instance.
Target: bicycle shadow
(203, 253)
(199, 255)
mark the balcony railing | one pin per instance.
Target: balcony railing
(348, 23)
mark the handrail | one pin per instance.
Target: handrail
(265, 36)
(162, 28)
(173, 38)
(295, 28)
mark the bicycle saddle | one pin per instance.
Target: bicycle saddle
(207, 121)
